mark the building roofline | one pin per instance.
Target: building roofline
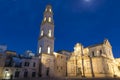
(94, 45)
(64, 50)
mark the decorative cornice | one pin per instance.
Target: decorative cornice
(44, 22)
(46, 36)
(48, 12)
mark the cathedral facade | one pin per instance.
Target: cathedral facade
(92, 61)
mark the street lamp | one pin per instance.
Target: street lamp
(7, 74)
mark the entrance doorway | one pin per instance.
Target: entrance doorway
(47, 72)
(79, 73)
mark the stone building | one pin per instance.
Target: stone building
(92, 61)
(60, 64)
(46, 44)
(3, 48)
(13, 66)
(30, 67)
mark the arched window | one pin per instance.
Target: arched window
(17, 74)
(42, 33)
(49, 19)
(33, 74)
(93, 54)
(50, 10)
(44, 18)
(40, 49)
(49, 33)
(25, 74)
(48, 49)
(100, 52)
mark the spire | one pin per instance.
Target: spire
(48, 15)
(49, 9)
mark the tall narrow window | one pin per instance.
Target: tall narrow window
(25, 74)
(48, 49)
(33, 74)
(17, 74)
(42, 33)
(100, 52)
(34, 64)
(49, 33)
(93, 54)
(40, 49)
(50, 10)
(44, 18)
(49, 19)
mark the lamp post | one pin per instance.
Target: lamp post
(7, 74)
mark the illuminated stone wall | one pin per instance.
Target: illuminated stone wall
(60, 65)
(93, 61)
(31, 66)
(47, 65)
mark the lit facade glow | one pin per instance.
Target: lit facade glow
(44, 19)
(50, 33)
(50, 10)
(48, 49)
(95, 61)
(40, 49)
(42, 33)
(49, 19)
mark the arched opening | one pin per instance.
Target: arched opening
(17, 73)
(42, 33)
(47, 72)
(49, 33)
(33, 74)
(93, 54)
(49, 49)
(50, 10)
(49, 19)
(25, 74)
(7, 74)
(40, 49)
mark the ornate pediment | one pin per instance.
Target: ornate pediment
(106, 42)
(78, 49)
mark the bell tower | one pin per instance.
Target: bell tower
(46, 37)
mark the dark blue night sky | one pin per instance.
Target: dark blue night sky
(86, 22)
